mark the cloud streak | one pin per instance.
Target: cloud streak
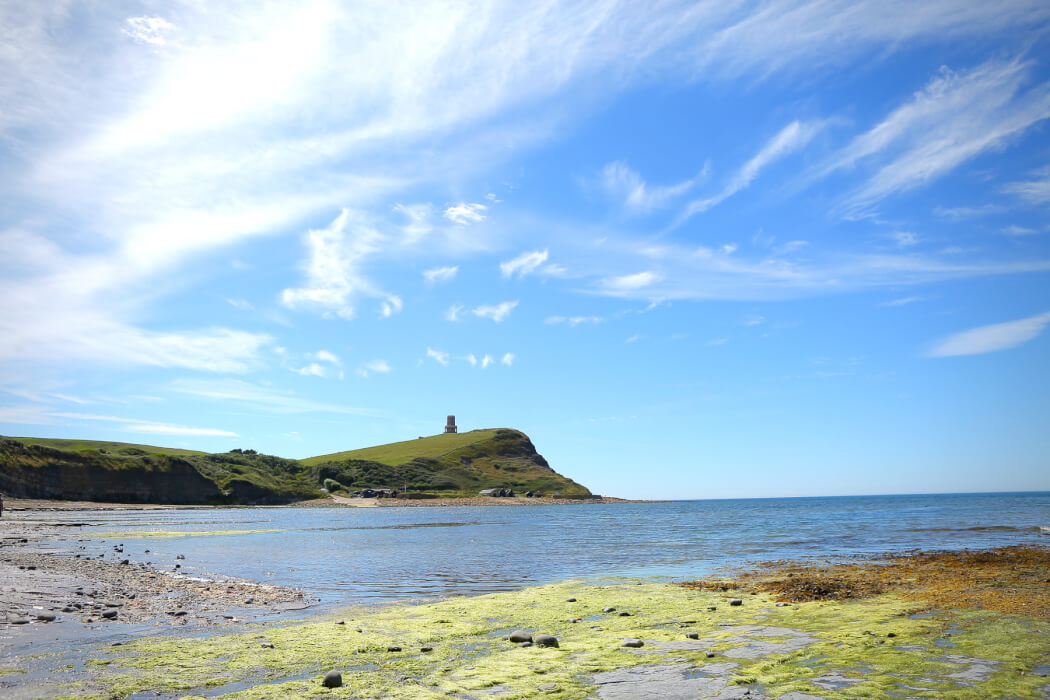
(991, 338)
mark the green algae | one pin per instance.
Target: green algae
(469, 652)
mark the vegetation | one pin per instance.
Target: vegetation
(869, 646)
(449, 465)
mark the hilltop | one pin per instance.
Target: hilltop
(452, 465)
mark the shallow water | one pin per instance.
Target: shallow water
(367, 555)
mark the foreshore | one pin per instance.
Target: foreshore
(968, 625)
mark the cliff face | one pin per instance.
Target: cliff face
(33, 471)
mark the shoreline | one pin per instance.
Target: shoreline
(788, 630)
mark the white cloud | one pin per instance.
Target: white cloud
(375, 366)
(453, 312)
(1035, 191)
(905, 239)
(958, 116)
(312, 370)
(334, 279)
(963, 213)
(465, 213)
(240, 304)
(754, 320)
(267, 399)
(718, 341)
(991, 338)
(440, 275)
(903, 301)
(1015, 230)
(148, 30)
(508, 358)
(438, 356)
(325, 356)
(620, 181)
(471, 359)
(573, 321)
(486, 361)
(634, 339)
(627, 283)
(530, 263)
(136, 425)
(496, 312)
(790, 139)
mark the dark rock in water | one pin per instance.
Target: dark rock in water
(181, 556)
(545, 640)
(608, 610)
(125, 562)
(109, 614)
(736, 601)
(519, 636)
(180, 613)
(633, 643)
(393, 648)
(710, 654)
(333, 679)
(46, 617)
(692, 635)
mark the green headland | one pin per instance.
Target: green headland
(447, 465)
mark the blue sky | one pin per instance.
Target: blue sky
(694, 250)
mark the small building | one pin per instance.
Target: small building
(450, 425)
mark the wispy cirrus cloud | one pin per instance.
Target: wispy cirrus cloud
(136, 425)
(991, 338)
(625, 184)
(957, 116)
(788, 140)
(572, 321)
(257, 397)
(530, 263)
(438, 356)
(1034, 191)
(440, 275)
(466, 213)
(495, 312)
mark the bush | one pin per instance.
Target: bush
(333, 485)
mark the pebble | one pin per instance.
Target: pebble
(426, 649)
(333, 679)
(545, 640)
(632, 643)
(548, 686)
(891, 634)
(181, 556)
(341, 622)
(109, 614)
(692, 635)
(736, 601)
(519, 636)
(393, 648)
(710, 654)
(20, 621)
(527, 644)
(267, 645)
(625, 614)
(570, 600)
(125, 562)
(46, 617)
(608, 610)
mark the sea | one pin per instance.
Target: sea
(348, 556)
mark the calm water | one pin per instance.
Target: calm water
(353, 555)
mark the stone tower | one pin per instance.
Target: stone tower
(450, 425)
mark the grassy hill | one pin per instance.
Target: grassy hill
(448, 464)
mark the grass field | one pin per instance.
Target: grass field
(395, 453)
(117, 447)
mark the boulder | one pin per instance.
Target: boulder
(632, 643)
(333, 679)
(519, 636)
(545, 640)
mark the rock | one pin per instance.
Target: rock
(180, 613)
(333, 679)
(625, 614)
(519, 636)
(267, 645)
(570, 600)
(125, 562)
(393, 648)
(526, 644)
(112, 604)
(633, 643)
(608, 610)
(710, 654)
(426, 649)
(712, 608)
(341, 622)
(181, 556)
(736, 601)
(891, 634)
(20, 621)
(545, 640)
(249, 601)
(46, 617)
(69, 609)
(548, 686)
(109, 614)
(692, 635)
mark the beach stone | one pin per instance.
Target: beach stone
(267, 645)
(625, 614)
(710, 654)
(736, 601)
(393, 648)
(46, 617)
(692, 635)
(426, 649)
(181, 556)
(125, 562)
(109, 614)
(69, 609)
(545, 640)
(20, 621)
(547, 686)
(333, 679)
(518, 636)
(633, 643)
(608, 610)
(526, 644)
